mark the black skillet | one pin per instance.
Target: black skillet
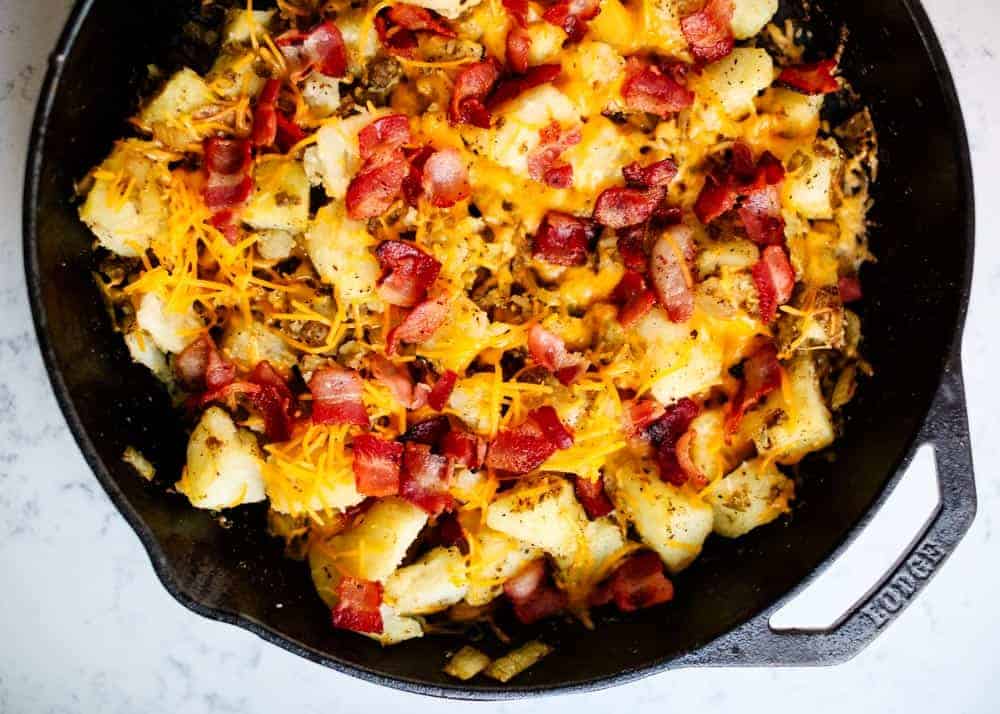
(914, 308)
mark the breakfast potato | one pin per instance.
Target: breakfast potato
(734, 81)
(494, 558)
(753, 495)
(374, 548)
(280, 199)
(171, 330)
(338, 247)
(750, 16)
(249, 344)
(809, 189)
(433, 583)
(175, 116)
(541, 512)
(681, 364)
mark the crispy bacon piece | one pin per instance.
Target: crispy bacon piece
(572, 16)
(413, 187)
(647, 89)
(549, 350)
(337, 397)
(639, 415)
(513, 87)
(518, 47)
(399, 382)
(658, 174)
(761, 376)
(757, 186)
(633, 297)
(398, 40)
(774, 278)
(288, 133)
(518, 10)
(376, 465)
(441, 391)
(227, 223)
(407, 273)
(358, 603)
(637, 583)
(265, 115)
(761, 216)
(632, 247)
(383, 137)
(563, 239)
(375, 189)
(709, 31)
(665, 434)
(322, 49)
(464, 448)
(621, 207)
(218, 372)
(469, 94)
(849, 287)
(445, 178)
(527, 446)
(429, 431)
(552, 428)
(419, 325)
(424, 480)
(669, 268)
(533, 594)
(419, 19)
(815, 78)
(592, 497)
(695, 477)
(545, 163)
(274, 400)
(199, 366)
(227, 162)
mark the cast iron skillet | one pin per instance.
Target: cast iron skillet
(916, 297)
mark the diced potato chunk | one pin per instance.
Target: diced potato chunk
(280, 199)
(599, 157)
(232, 75)
(171, 331)
(541, 512)
(434, 583)
(735, 80)
(125, 207)
(710, 452)
(680, 365)
(336, 157)
(396, 628)
(374, 548)
(470, 400)
(275, 244)
(750, 16)
(504, 669)
(322, 94)
(240, 24)
(735, 254)
(753, 495)
(144, 351)
(495, 558)
(247, 345)
(338, 247)
(172, 114)
(798, 112)
(465, 333)
(672, 521)
(602, 539)
(809, 188)
(546, 42)
(223, 464)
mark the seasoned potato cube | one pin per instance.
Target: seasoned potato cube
(736, 254)
(753, 495)
(541, 512)
(735, 81)
(125, 207)
(246, 345)
(497, 557)
(470, 400)
(546, 41)
(232, 75)
(280, 199)
(708, 448)
(322, 94)
(434, 583)
(750, 16)
(171, 331)
(602, 540)
(223, 464)
(599, 157)
(173, 113)
(338, 247)
(465, 333)
(798, 112)
(680, 365)
(240, 24)
(397, 629)
(374, 548)
(809, 188)
(467, 663)
(144, 351)
(275, 244)
(672, 521)
(660, 27)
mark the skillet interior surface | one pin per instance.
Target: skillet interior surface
(912, 312)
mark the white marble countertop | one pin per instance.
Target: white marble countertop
(85, 626)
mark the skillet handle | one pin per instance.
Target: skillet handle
(756, 643)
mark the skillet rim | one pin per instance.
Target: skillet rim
(148, 539)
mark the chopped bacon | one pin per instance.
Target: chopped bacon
(376, 465)
(358, 603)
(527, 446)
(424, 481)
(407, 273)
(533, 594)
(669, 268)
(265, 115)
(419, 19)
(413, 187)
(634, 298)
(545, 164)
(513, 87)
(632, 247)
(199, 366)
(647, 89)
(849, 287)
(563, 239)
(658, 174)
(761, 376)
(774, 278)
(441, 391)
(288, 133)
(273, 400)
(398, 40)
(761, 216)
(709, 32)
(398, 380)
(552, 428)
(383, 136)
(337, 397)
(815, 78)
(683, 452)
(756, 184)
(639, 415)
(227, 162)
(429, 431)
(445, 178)
(591, 495)
(518, 10)
(637, 583)
(572, 16)
(464, 448)
(227, 224)
(621, 207)
(549, 350)
(374, 190)
(666, 432)
(518, 48)
(469, 94)
(419, 325)
(322, 49)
